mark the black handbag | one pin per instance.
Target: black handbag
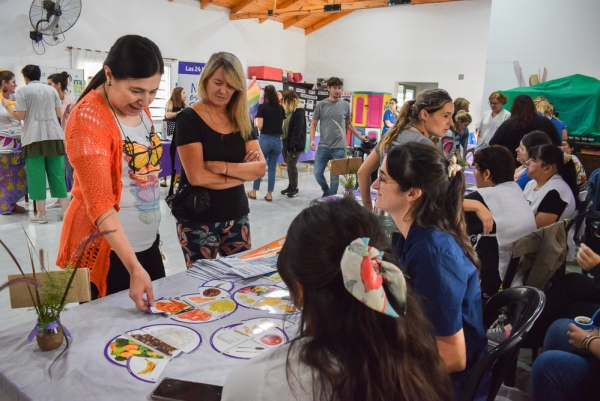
(188, 203)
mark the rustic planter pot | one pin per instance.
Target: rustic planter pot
(50, 337)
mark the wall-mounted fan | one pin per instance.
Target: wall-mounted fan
(50, 20)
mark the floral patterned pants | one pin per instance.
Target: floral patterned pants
(206, 240)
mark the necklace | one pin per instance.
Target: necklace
(119, 122)
(211, 118)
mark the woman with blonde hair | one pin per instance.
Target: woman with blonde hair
(451, 143)
(546, 109)
(491, 119)
(218, 153)
(294, 139)
(428, 116)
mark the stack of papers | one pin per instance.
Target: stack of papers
(227, 269)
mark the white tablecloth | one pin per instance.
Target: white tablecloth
(83, 372)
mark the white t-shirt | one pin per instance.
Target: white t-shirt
(557, 183)
(263, 378)
(9, 127)
(140, 197)
(488, 126)
(513, 217)
(40, 102)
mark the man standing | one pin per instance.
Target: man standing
(334, 116)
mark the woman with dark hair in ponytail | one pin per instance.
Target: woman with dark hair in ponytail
(552, 192)
(116, 153)
(362, 335)
(428, 116)
(423, 192)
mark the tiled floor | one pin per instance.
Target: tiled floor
(268, 220)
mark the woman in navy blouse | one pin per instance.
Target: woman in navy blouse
(423, 192)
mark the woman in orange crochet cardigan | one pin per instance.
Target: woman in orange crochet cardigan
(115, 152)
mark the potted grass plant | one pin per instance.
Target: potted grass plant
(349, 182)
(48, 291)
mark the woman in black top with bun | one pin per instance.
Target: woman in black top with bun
(218, 153)
(269, 121)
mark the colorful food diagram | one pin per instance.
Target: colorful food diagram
(250, 338)
(170, 306)
(209, 303)
(221, 284)
(146, 351)
(146, 369)
(274, 299)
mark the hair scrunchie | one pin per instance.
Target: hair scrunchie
(378, 284)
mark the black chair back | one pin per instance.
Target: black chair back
(522, 305)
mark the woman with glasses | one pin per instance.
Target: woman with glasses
(552, 192)
(491, 119)
(424, 192)
(116, 155)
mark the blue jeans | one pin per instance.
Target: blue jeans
(271, 147)
(561, 372)
(322, 156)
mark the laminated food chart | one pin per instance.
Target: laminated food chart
(274, 299)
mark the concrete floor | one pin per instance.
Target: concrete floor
(268, 221)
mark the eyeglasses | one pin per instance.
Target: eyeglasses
(144, 159)
(494, 103)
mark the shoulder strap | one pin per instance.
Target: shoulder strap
(173, 153)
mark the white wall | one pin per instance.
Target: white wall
(180, 28)
(561, 35)
(372, 49)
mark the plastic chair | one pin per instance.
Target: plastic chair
(523, 305)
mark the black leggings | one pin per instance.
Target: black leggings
(573, 295)
(118, 276)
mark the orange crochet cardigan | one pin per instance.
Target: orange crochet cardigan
(95, 149)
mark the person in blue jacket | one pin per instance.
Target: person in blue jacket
(423, 192)
(390, 116)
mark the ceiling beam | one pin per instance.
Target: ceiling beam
(307, 10)
(240, 5)
(294, 20)
(204, 3)
(286, 4)
(261, 20)
(323, 22)
(429, 1)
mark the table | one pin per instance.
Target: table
(83, 373)
(13, 181)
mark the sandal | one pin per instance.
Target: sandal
(270, 199)
(249, 193)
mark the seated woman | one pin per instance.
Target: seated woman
(534, 138)
(513, 219)
(362, 334)
(573, 295)
(423, 193)
(569, 146)
(552, 193)
(569, 366)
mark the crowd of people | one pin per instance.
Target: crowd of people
(413, 325)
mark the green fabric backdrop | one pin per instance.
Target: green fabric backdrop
(576, 98)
